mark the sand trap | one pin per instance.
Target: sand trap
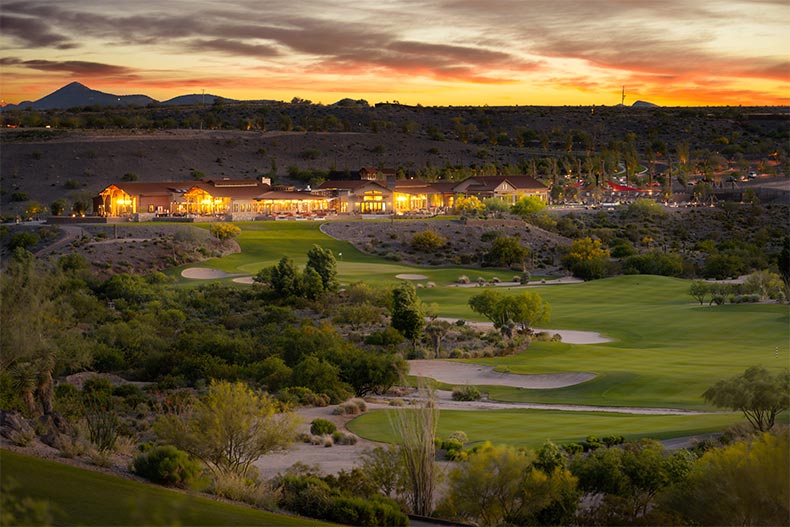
(569, 336)
(411, 276)
(244, 280)
(474, 374)
(204, 273)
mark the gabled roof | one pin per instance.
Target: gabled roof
(349, 184)
(242, 192)
(444, 187)
(159, 188)
(489, 183)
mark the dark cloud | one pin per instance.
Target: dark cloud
(233, 47)
(32, 32)
(75, 67)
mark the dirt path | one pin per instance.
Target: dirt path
(72, 233)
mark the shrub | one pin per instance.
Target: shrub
(613, 440)
(463, 279)
(238, 488)
(304, 396)
(654, 262)
(573, 448)
(428, 241)
(322, 426)
(25, 240)
(360, 403)
(459, 435)
(167, 465)
(344, 438)
(350, 408)
(466, 393)
(224, 231)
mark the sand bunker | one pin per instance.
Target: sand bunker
(411, 276)
(569, 336)
(204, 273)
(244, 280)
(460, 373)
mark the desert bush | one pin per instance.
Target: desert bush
(24, 240)
(224, 231)
(428, 241)
(396, 402)
(466, 393)
(303, 396)
(360, 403)
(745, 299)
(347, 408)
(344, 438)
(239, 488)
(459, 435)
(322, 426)
(100, 458)
(167, 465)
(463, 279)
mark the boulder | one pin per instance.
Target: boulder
(15, 428)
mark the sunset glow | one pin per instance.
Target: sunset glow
(450, 52)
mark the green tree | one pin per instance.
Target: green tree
(528, 207)
(505, 251)
(428, 241)
(745, 483)
(527, 309)
(757, 393)
(407, 314)
(487, 488)
(229, 428)
(500, 485)
(469, 206)
(699, 290)
(766, 284)
(323, 262)
(587, 259)
(57, 207)
(524, 309)
(312, 286)
(436, 331)
(285, 279)
(35, 317)
(630, 478)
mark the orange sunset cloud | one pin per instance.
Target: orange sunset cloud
(452, 52)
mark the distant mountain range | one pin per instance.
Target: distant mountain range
(76, 94)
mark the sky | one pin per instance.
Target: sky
(428, 52)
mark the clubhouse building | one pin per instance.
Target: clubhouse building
(374, 192)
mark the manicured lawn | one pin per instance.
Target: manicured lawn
(265, 243)
(666, 349)
(532, 427)
(82, 497)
